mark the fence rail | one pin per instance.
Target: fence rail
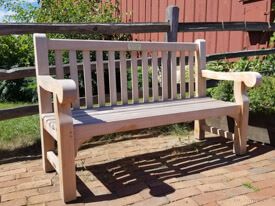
(108, 29)
(126, 28)
(171, 28)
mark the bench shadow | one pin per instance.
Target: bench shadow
(131, 175)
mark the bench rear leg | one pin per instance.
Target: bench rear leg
(199, 132)
(47, 144)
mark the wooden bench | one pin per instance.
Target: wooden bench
(67, 124)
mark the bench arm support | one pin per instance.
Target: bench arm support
(250, 79)
(64, 89)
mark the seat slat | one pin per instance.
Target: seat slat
(123, 78)
(100, 78)
(145, 83)
(173, 75)
(164, 74)
(191, 73)
(87, 79)
(141, 106)
(182, 75)
(155, 76)
(74, 76)
(181, 110)
(59, 65)
(134, 71)
(112, 78)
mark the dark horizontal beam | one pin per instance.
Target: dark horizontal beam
(239, 54)
(121, 28)
(225, 26)
(23, 72)
(128, 28)
(18, 112)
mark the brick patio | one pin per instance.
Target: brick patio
(151, 171)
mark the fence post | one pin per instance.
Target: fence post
(172, 16)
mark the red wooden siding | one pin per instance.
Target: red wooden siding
(203, 11)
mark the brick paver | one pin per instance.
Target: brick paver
(150, 171)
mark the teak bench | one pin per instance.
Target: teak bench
(68, 124)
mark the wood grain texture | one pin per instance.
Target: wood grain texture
(100, 78)
(112, 78)
(145, 115)
(44, 97)
(120, 28)
(59, 64)
(191, 73)
(134, 75)
(182, 75)
(173, 76)
(74, 76)
(87, 79)
(241, 122)
(123, 78)
(145, 81)
(164, 75)
(65, 148)
(155, 82)
(250, 79)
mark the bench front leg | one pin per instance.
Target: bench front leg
(66, 149)
(241, 122)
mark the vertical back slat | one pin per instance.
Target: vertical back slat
(145, 82)
(123, 78)
(59, 65)
(87, 78)
(155, 76)
(173, 75)
(112, 78)
(134, 77)
(182, 75)
(191, 73)
(164, 75)
(100, 78)
(74, 76)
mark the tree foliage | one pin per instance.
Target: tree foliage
(17, 51)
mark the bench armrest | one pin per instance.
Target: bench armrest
(250, 79)
(64, 89)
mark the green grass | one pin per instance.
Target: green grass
(250, 186)
(18, 132)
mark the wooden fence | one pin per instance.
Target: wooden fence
(172, 27)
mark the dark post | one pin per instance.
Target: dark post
(172, 16)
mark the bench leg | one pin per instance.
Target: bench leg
(199, 133)
(47, 144)
(240, 135)
(67, 174)
(66, 151)
(241, 121)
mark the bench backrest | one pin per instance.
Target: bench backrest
(121, 58)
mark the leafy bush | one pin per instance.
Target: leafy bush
(262, 98)
(264, 65)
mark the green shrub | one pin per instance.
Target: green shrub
(262, 98)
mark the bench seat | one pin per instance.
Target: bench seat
(106, 120)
